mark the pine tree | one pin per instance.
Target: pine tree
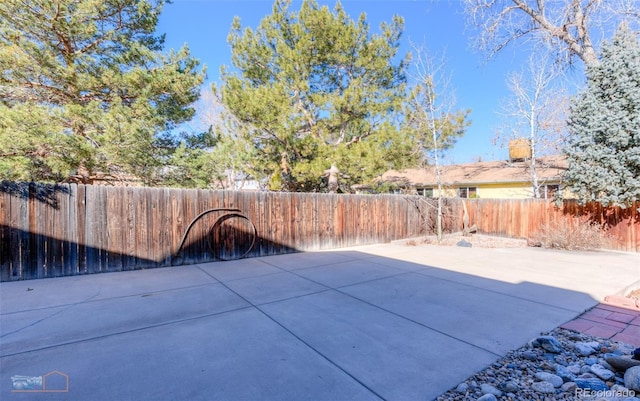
(317, 94)
(604, 125)
(86, 89)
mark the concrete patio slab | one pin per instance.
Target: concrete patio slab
(487, 319)
(386, 322)
(235, 356)
(274, 287)
(44, 293)
(395, 357)
(348, 273)
(43, 328)
(303, 260)
(596, 274)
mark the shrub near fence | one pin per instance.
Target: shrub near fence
(522, 218)
(60, 230)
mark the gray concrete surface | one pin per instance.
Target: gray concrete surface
(390, 322)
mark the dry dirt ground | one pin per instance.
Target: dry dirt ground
(476, 240)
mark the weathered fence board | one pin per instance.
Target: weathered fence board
(56, 230)
(522, 218)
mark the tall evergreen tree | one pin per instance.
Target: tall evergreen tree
(86, 89)
(317, 94)
(604, 124)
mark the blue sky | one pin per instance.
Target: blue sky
(478, 84)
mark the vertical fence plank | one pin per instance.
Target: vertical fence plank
(71, 232)
(81, 219)
(6, 271)
(39, 245)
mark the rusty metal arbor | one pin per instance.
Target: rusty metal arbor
(216, 237)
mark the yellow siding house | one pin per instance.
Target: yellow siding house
(495, 179)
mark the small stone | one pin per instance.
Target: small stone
(569, 387)
(594, 344)
(621, 363)
(462, 388)
(511, 387)
(601, 372)
(560, 360)
(632, 378)
(555, 380)
(488, 397)
(549, 343)
(529, 355)
(464, 244)
(584, 349)
(591, 361)
(591, 384)
(543, 387)
(585, 369)
(489, 389)
(565, 373)
(575, 369)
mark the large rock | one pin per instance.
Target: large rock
(632, 378)
(510, 387)
(602, 372)
(543, 387)
(489, 389)
(591, 384)
(565, 373)
(549, 343)
(621, 363)
(584, 349)
(488, 397)
(555, 380)
(462, 388)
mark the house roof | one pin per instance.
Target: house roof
(549, 168)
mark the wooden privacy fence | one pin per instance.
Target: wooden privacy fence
(522, 218)
(61, 230)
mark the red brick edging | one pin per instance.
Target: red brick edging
(617, 318)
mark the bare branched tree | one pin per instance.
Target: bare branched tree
(231, 153)
(569, 28)
(431, 113)
(536, 110)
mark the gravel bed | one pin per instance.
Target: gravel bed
(558, 365)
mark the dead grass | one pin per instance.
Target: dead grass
(571, 234)
(635, 294)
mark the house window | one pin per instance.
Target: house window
(425, 192)
(550, 191)
(468, 192)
